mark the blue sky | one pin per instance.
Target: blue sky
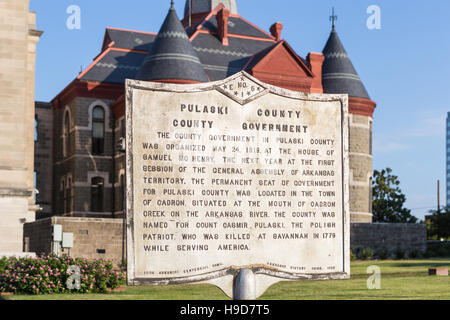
(404, 65)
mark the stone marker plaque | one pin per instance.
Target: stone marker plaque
(235, 174)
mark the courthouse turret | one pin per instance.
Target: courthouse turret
(340, 76)
(172, 57)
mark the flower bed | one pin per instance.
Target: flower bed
(52, 274)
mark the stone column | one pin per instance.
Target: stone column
(17, 62)
(360, 168)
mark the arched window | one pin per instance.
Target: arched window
(66, 135)
(97, 187)
(98, 130)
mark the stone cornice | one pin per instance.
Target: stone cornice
(361, 106)
(35, 33)
(15, 193)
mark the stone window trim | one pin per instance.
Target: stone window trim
(77, 155)
(97, 203)
(93, 174)
(67, 110)
(89, 128)
(106, 108)
(98, 136)
(64, 180)
(62, 183)
(69, 178)
(66, 186)
(119, 122)
(121, 127)
(119, 175)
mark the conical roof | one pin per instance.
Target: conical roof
(172, 56)
(339, 74)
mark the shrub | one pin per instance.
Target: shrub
(3, 264)
(367, 253)
(357, 253)
(49, 274)
(383, 254)
(442, 251)
(399, 253)
(353, 256)
(439, 249)
(414, 254)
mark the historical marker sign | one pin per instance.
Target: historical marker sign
(235, 174)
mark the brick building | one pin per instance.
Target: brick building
(211, 43)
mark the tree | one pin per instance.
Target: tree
(388, 199)
(439, 226)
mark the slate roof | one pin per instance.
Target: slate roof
(237, 26)
(339, 74)
(115, 66)
(128, 39)
(218, 61)
(171, 56)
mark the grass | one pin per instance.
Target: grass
(400, 280)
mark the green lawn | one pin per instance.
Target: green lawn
(399, 280)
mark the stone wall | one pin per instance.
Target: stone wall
(43, 158)
(360, 168)
(388, 236)
(13, 214)
(93, 238)
(38, 236)
(120, 166)
(75, 169)
(79, 166)
(102, 238)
